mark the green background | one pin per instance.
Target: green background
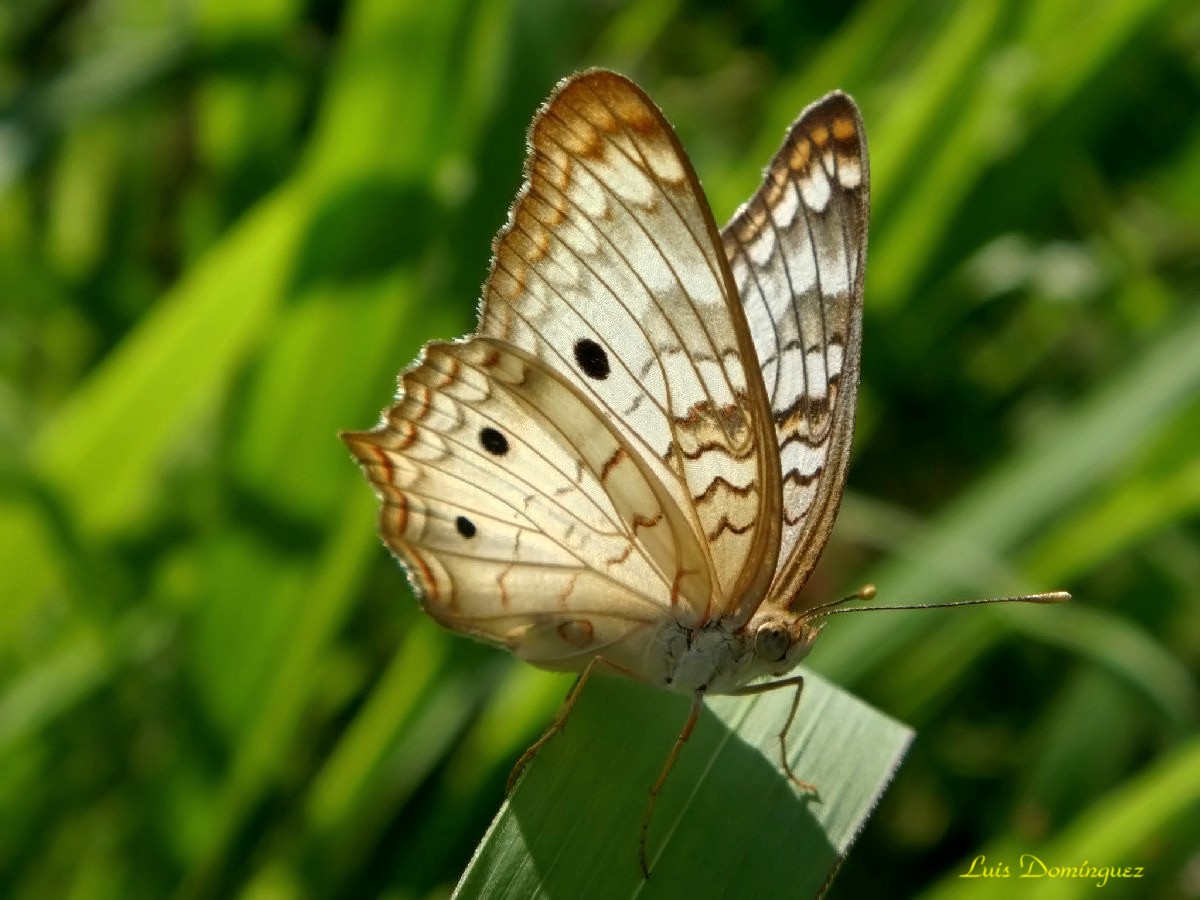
(225, 226)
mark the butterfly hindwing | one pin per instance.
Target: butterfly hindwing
(513, 527)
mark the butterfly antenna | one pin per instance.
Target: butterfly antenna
(868, 592)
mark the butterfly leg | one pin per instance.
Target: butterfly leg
(798, 682)
(560, 720)
(693, 717)
(807, 786)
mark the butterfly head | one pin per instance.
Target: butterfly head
(780, 641)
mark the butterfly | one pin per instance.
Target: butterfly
(635, 462)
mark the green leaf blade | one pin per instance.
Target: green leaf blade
(728, 821)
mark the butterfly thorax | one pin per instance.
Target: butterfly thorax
(717, 659)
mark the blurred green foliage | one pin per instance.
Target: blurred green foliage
(225, 226)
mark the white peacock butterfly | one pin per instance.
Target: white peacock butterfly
(636, 461)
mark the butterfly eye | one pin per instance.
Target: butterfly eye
(771, 642)
(592, 359)
(493, 441)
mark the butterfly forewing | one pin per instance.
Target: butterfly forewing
(797, 251)
(611, 271)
